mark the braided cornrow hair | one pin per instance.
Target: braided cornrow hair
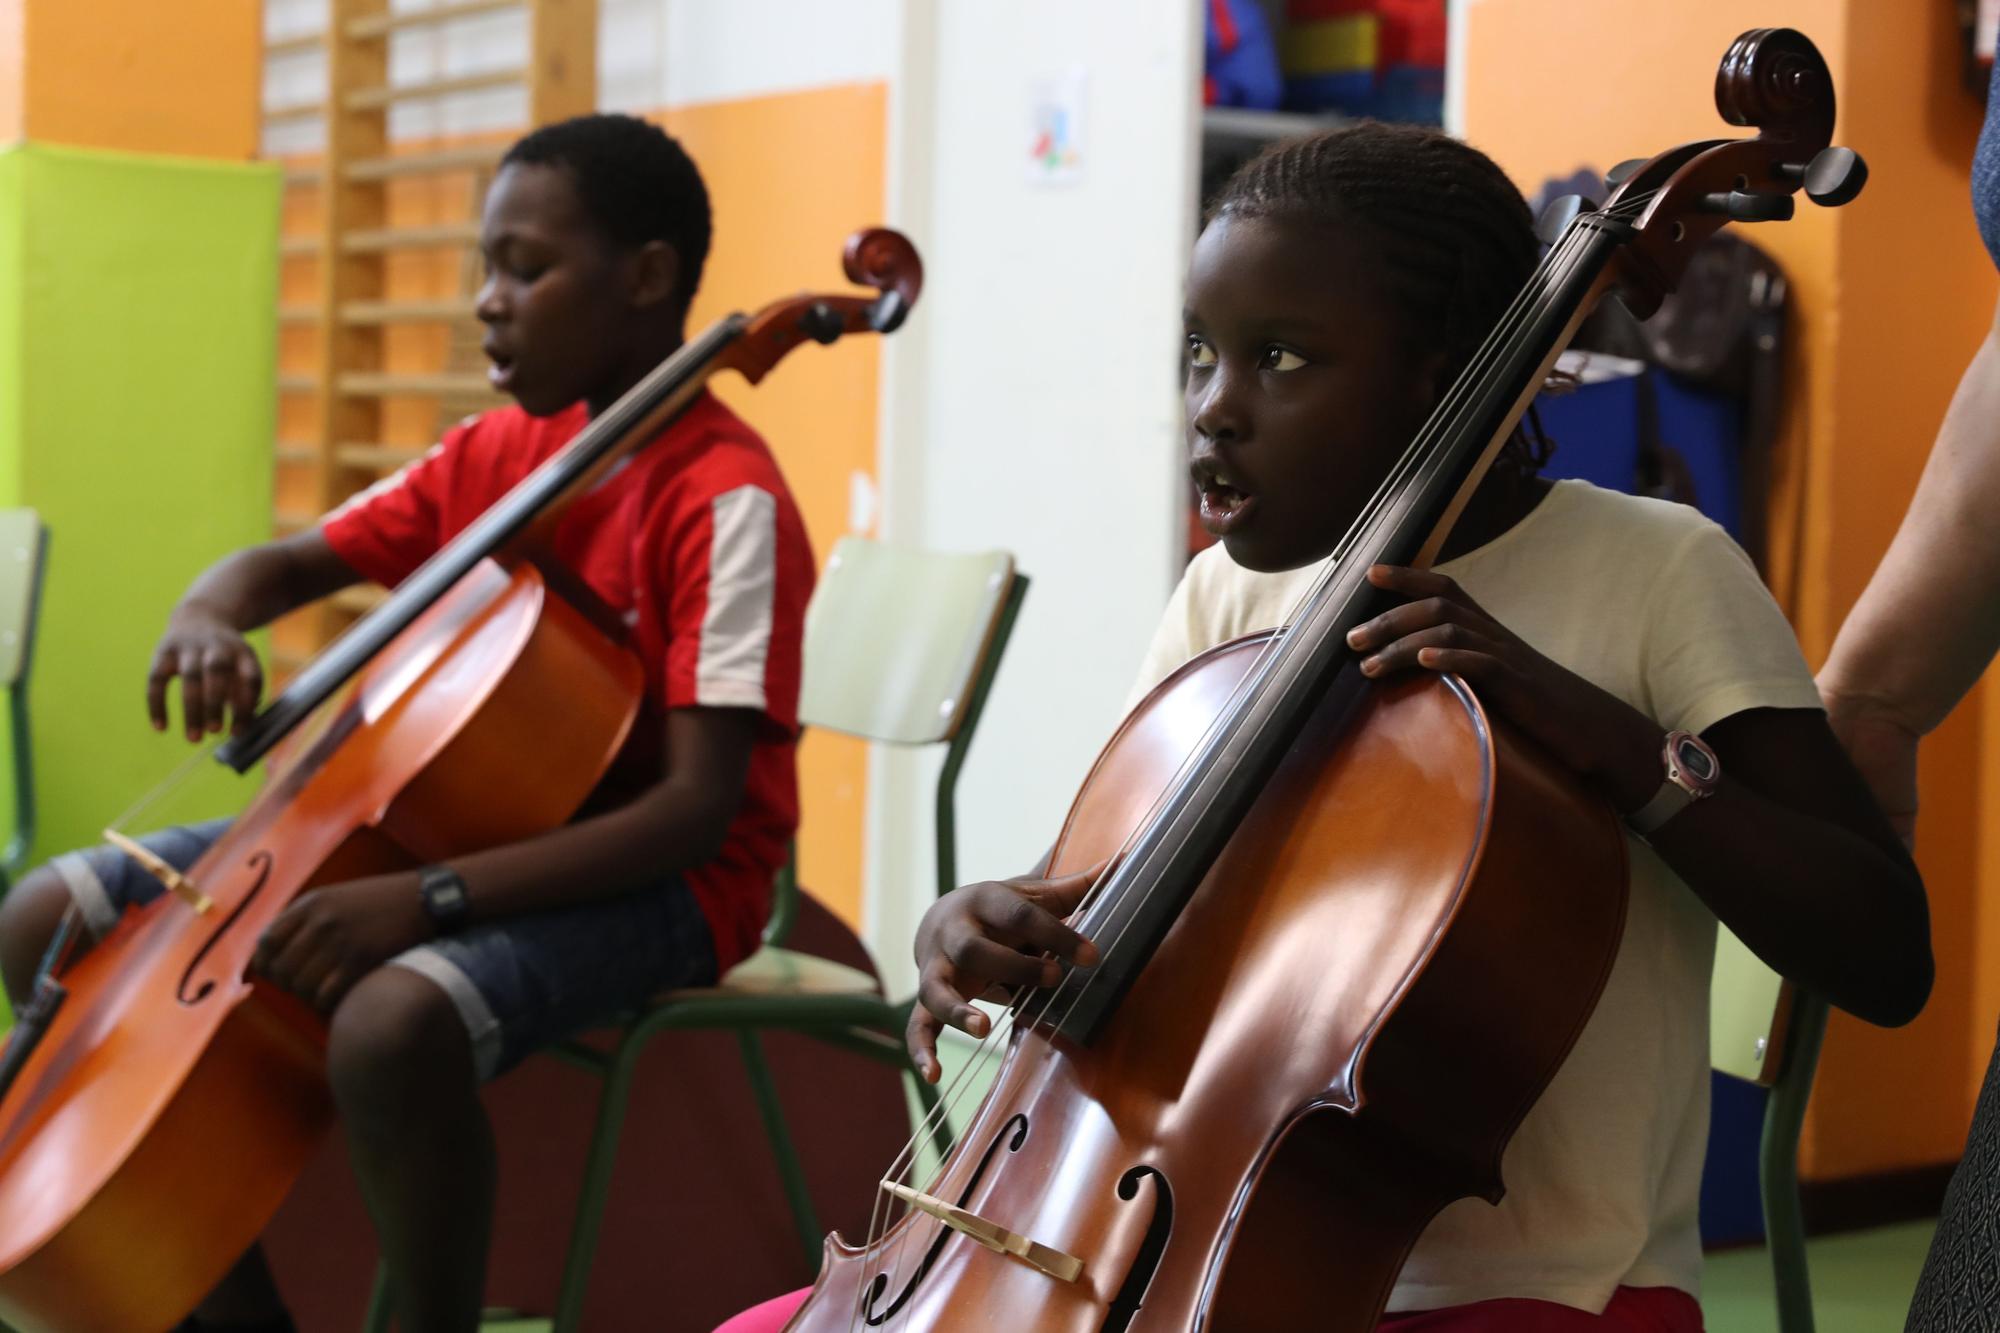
(1455, 236)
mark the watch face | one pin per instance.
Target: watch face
(1694, 759)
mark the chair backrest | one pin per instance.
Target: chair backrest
(901, 646)
(23, 550)
(896, 638)
(21, 544)
(1747, 1007)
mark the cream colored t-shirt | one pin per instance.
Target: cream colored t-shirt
(1655, 604)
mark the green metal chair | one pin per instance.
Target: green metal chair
(1767, 1031)
(901, 646)
(23, 548)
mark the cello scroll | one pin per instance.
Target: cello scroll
(1770, 78)
(878, 258)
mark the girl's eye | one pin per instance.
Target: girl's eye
(1279, 358)
(527, 274)
(1199, 353)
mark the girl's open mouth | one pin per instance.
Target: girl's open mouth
(1223, 507)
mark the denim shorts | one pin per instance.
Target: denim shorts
(519, 983)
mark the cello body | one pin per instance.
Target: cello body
(159, 1124)
(1261, 1130)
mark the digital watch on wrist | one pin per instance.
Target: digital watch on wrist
(1693, 773)
(444, 898)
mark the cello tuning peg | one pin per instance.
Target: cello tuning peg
(1748, 206)
(1832, 178)
(1557, 214)
(1618, 175)
(1835, 176)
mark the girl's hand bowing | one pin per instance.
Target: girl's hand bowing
(1609, 743)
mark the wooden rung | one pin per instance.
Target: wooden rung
(303, 176)
(378, 25)
(405, 312)
(409, 238)
(294, 46)
(374, 99)
(380, 457)
(275, 115)
(360, 599)
(297, 383)
(288, 521)
(297, 314)
(295, 451)
(417, 164)
(291, 247)
(418, 386)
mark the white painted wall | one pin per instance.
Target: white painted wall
(1034, 402)
(651, 54)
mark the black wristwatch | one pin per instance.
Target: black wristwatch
(443, 895)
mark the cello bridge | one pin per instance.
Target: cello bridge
(1041, 1258)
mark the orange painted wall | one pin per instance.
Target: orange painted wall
(135, 75)
(1891, 296)
(790, 175)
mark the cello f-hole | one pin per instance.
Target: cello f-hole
(1016, 1126)
(189, 992)
(1132, 1292)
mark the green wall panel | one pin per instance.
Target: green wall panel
(138, 300)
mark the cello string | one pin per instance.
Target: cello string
(167, 786)
(1562, 267)
(999, 1030)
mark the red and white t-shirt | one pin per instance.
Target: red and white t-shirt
(696, 541)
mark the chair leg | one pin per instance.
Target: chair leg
(1784, 1232)
(596, 1185)
(790, 1171)
(377, 1318)
(1778, 1166)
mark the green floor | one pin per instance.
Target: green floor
(1861, 1283)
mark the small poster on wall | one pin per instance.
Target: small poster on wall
(1056, 121)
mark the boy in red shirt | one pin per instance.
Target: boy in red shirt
(594, 236)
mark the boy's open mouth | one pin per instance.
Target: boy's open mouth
(501, 373)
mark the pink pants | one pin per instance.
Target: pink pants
(1632, 1310)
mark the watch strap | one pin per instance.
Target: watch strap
(1668, 801)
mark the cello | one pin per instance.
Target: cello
(157, 1102)
(1313, 1020)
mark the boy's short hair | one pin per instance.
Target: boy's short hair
(636, 182)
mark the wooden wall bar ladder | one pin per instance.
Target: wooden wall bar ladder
(355, 366)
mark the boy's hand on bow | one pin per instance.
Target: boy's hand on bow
(982, 940)
(1611, 744)
(330, 938)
